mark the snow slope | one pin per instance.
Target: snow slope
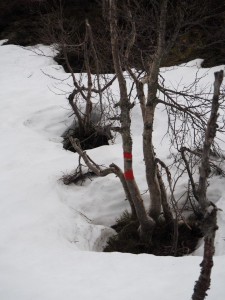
(49, 232)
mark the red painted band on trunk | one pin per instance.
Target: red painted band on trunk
(129, 175)
(127, 155)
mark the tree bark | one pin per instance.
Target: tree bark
(210, 134)
(146, 223)
(204, 280)
(209, 210)
(148, 148)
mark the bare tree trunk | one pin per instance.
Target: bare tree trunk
(88, 109)
(165, 205)
(146, 223)
(203, 282)
(209, 138)
(150, 164)
(208, 209)
(148, 148)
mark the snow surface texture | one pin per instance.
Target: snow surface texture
(48, 230)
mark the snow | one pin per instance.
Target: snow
(51, 235)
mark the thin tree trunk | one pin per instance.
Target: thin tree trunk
(148, 148)
(209, 210)
(165, 205)
(146, 223)
(88, 109)
(150, 163)
(204, 280)
(210, 134)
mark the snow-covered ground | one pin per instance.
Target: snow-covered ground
(51, 235)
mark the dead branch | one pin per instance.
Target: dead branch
(182, 150)
(113, 169)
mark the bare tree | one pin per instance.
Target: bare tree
(146, 222)
(208, 209)
(90, 87)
